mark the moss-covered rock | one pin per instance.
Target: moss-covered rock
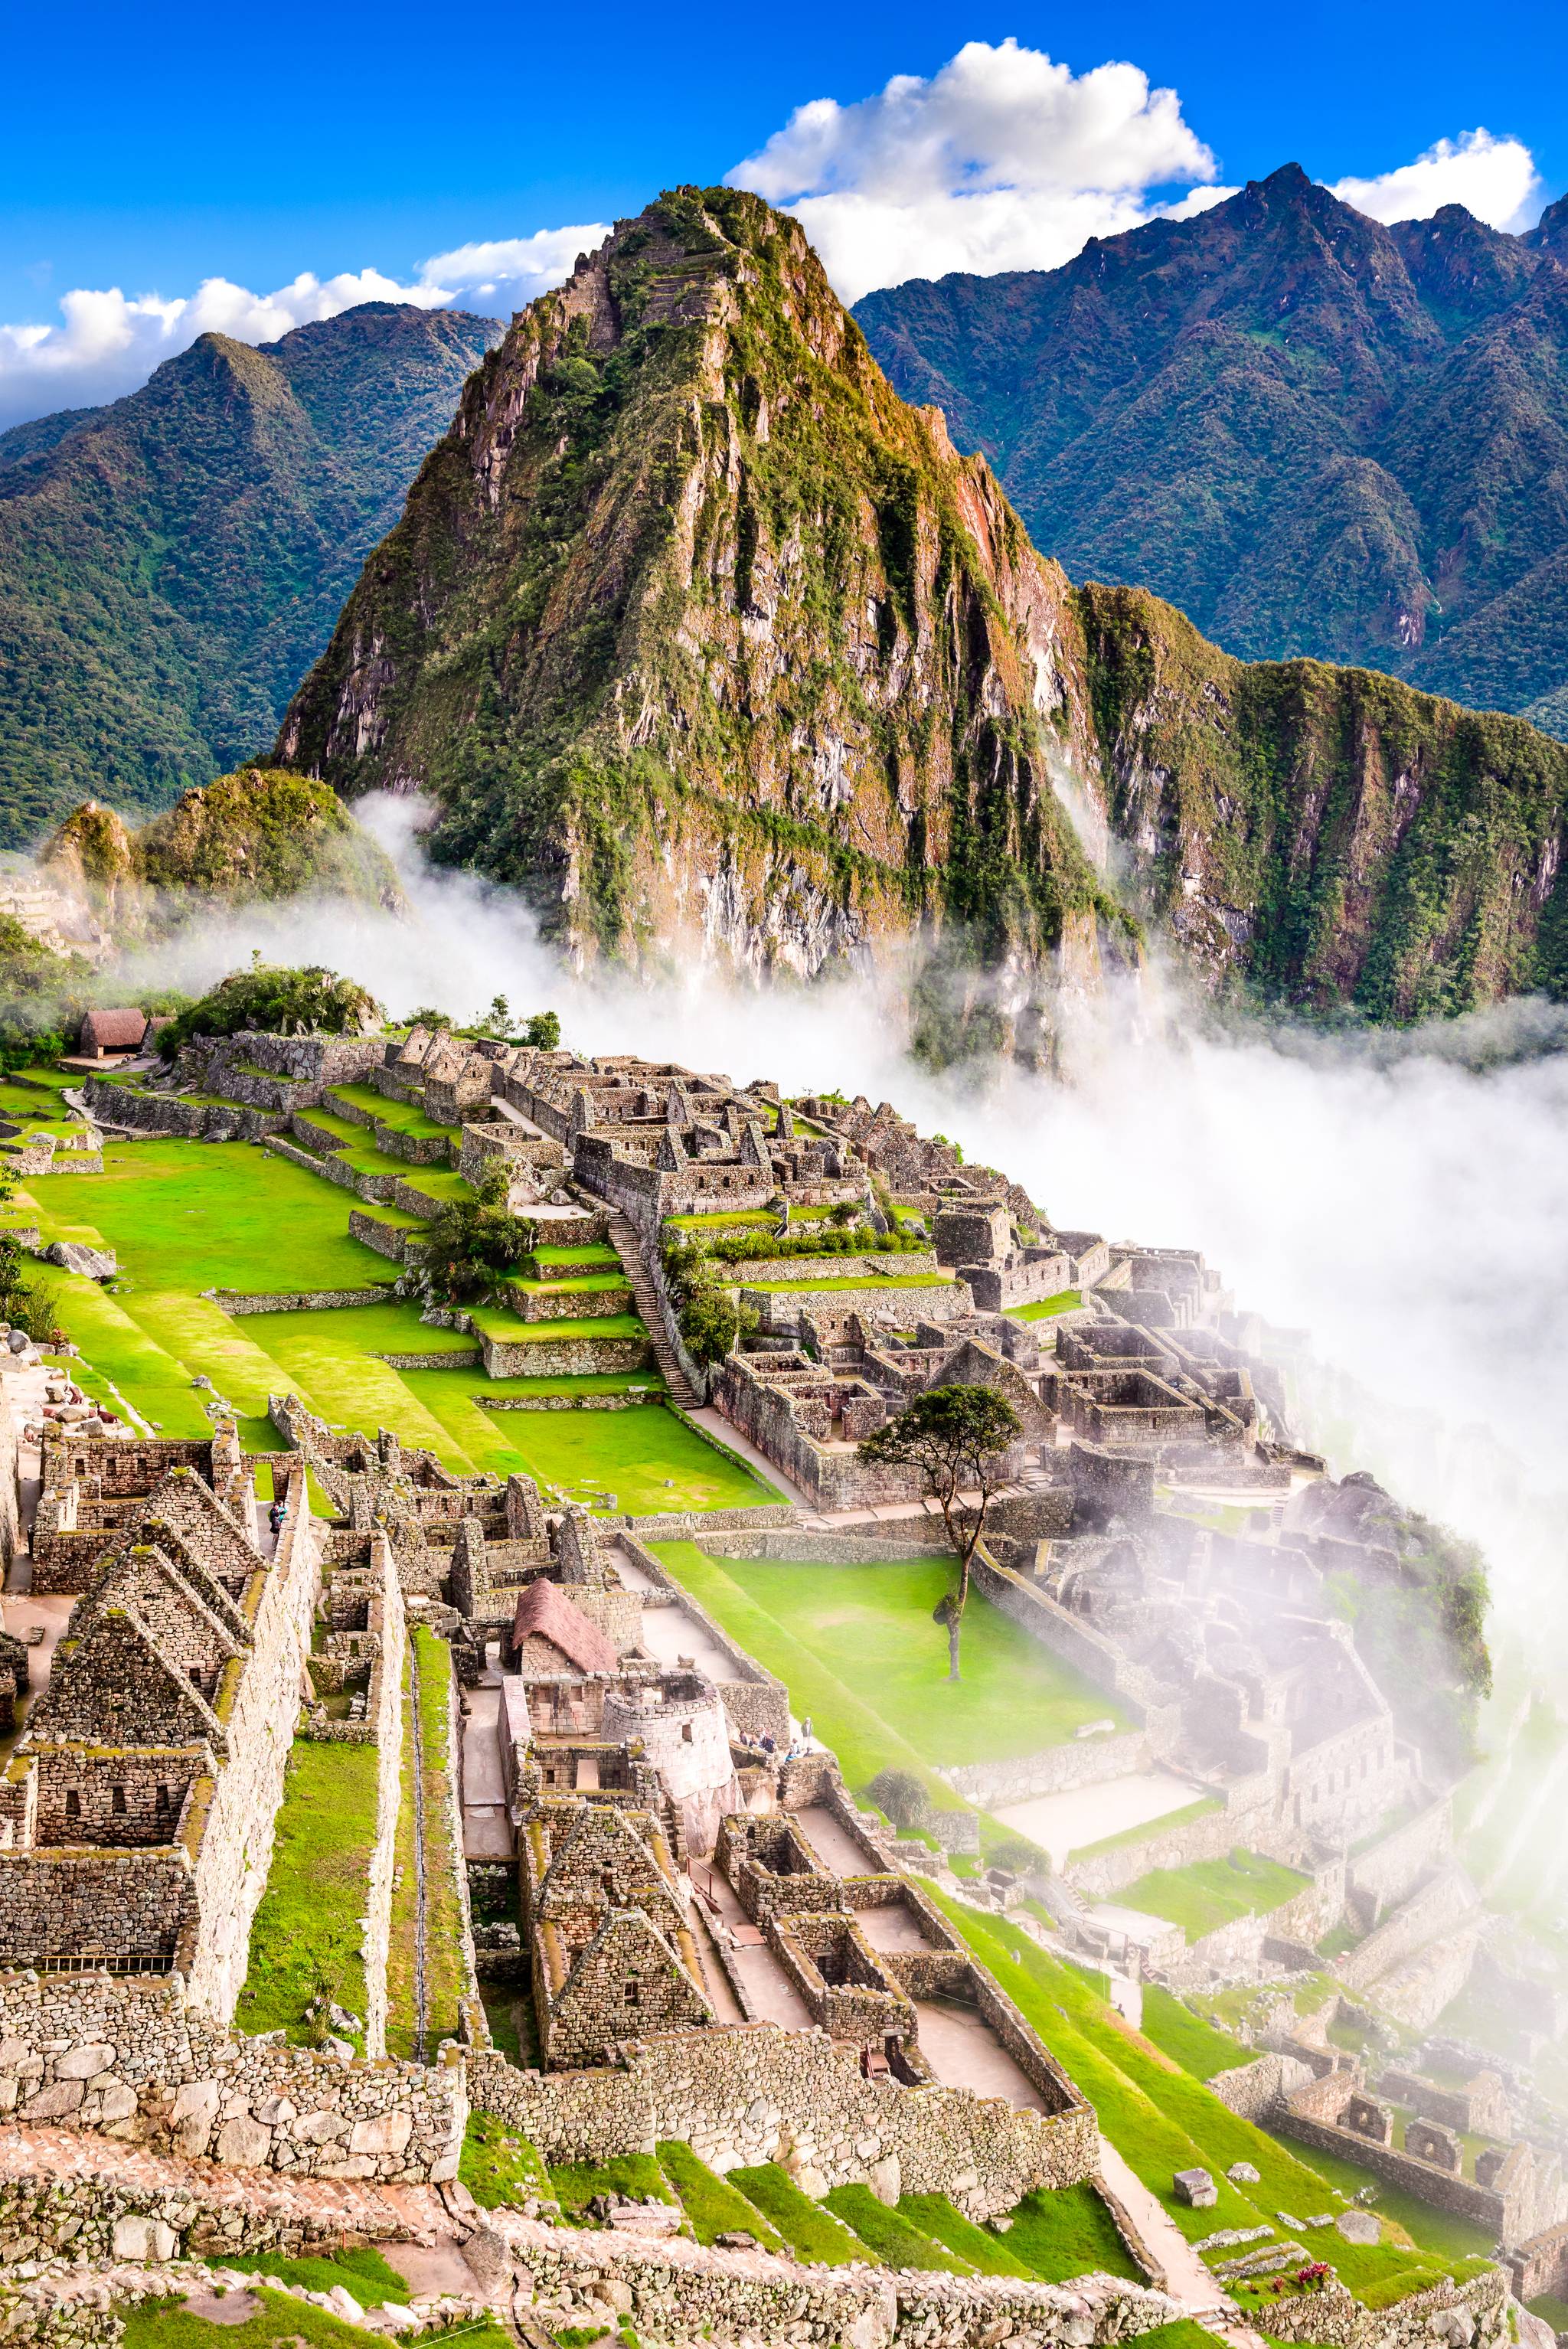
(261, 833)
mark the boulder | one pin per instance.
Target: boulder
(94, 1264)
(1241, 2173)
(1359, 2227)
(1196, 2188)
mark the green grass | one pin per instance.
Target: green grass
(891, 2236)
(1184, 2333)
(595, 1254)
(279, 2321)
(1125, 1837)
(215, 1215)
(498, 2166)
(1435, 2232)
(977, 2247)
(871, 1627)
(1186, 2038)
(498, 1322)
(647, 1456)
(709, 2201)
(404, 1117)
(1068, 2233)
(810, 2230)
(739, 1218)
(1066, 1300)
(1555, 2310)
(1208, 1893)
(636, 2176)
(304, 1937)
(1160, 2118)
(362, 2271)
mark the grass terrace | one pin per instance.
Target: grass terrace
(444, 1981)
(1208, 1893)
(1045, 1309)
(305, 1934)
(1161, 2119)
(648, 1456)
(404, 1117)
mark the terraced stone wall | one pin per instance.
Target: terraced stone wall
(757, 2092)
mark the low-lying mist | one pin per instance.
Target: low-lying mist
(1401, 1199)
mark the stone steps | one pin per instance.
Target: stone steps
(624, 1239)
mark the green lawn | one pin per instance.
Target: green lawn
(498, 2166)
(304, 1937)
(213, 1215)
(710, 2202)
(985, 2253)
(1186, 2038)
(809, 2230)
(281, 2323)
(892, 2236)
(650, 1459)
(877, 1281)
(1068, 2233)
(869, 1626)
(404, 1117)
(1066, 1300)
(1125, 1837)
(1208, 1893)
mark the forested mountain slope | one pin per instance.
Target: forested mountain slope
(170, 565)
(1313, 433)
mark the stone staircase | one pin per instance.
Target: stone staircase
(622, 1238)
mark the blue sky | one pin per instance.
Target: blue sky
(149, 149)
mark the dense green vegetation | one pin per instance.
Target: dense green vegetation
(513, 632)
(279, 1000)
(172, 565)
(1318, 490)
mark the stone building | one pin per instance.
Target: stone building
(136, 1811)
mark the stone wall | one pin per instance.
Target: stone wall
(296, 1300)
(1255, 2089)
(552, 1357)
(1239, 1951)
(1390, 1871)
(236, 1848)
(757, 2092)
(135, 2061)
(1086, 1762)
(384, 1716)
(1441, 1905)
(756, 1701)
(1107, 1873)
(676, 2293)
(913, 1537)
(1333, 2317)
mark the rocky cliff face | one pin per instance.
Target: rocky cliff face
(701, 637)
(1323, 836)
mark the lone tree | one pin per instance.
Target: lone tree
(952, 1435)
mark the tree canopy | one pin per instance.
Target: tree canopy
(954, 1437)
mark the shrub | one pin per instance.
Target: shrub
(279, 1001)
(900, 1795)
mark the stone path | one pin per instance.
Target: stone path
(1186, 2278)
(420, 2008)
(708, 1416)
(629, 1248)
(486, 1826)
(832, 1843)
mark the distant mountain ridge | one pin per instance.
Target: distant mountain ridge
(699, 635)
(1315, 434)
(170, 565)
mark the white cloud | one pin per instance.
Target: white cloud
(1003, 160)
(506, 273)
(109, 342)
(1493, 177)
